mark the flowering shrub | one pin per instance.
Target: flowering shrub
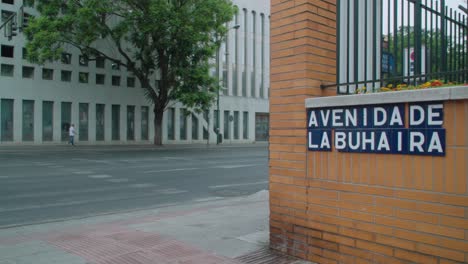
(403, 86)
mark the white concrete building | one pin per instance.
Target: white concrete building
(39, 102)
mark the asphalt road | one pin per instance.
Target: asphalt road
(43, 184)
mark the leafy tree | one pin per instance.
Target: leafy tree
(165, 44)
(455, 51)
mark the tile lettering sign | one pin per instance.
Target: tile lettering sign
(378, 129)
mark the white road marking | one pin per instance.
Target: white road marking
(82, 172)
(101, 176)
(118, 180)
(208, 199)
(171, 170)
(237, 166)
(236, 185)
(142, 185)
(171, 191)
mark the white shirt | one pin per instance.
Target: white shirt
(72, 131)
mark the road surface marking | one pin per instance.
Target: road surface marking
(118, 180)
(101, 176)
(171, 191)
(237, 184)
(171, 170)
(142, 185)
(237, 166)
(208, 199)
(82, 172)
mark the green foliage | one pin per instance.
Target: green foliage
(167, 40)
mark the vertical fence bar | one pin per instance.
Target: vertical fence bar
(366, 6)
(348, 41)
(408, 41)
(437, 65)
(425, 40)
(451, 46)
(356, 43)
(395, 35)
(443, 28)
(432, 53)
(417, 38)
(338, 43)
(375, 41)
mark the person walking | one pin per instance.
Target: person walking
(71, 132)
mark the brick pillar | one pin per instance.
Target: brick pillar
(303, 56)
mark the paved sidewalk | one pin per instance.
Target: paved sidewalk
(218, 231)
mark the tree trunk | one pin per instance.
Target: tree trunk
(158, 122)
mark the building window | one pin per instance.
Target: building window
(83, 60)
(131, 82)
(144, 123)
(47, 121)
(28, 120)
(100, 79)
(66, 119)
(66, 58)
(6, 124)
(253, 79)
(28, 3)
(183, 124)
(226, 125)
(262, 57)
(83, 77)
(171, 124)
(116, 66)
(25, 54)
(194, 127)
(245, 58)
(236, 124)
(7, 51)
(100, 62)
(245, 127)
(235, 88)
(47, 74)
(83, 109)
(28, 72)
(100, 124)
(11, 2)
(66, 76)
(130, 122)
(115, 122)
(116, 80)
(206, 116)
(216, 121)
(7, 70)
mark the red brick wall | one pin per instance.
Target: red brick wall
(347, 207)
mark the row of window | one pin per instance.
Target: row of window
(28, 3)
(28, 72)
(7, 51)
(28, 116)
(229, 120)
(28, 120)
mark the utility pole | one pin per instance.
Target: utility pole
(218, 58)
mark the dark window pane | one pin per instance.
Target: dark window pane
(7, 70)
(83, 77)
(47, 121)
(28, 72)
(144, 123)
(115, 122)
(47, 74)
(6, 119)
(116, 80)
(66, 76)
(65, 120)
(83, 121)
(100, 125)
(28, 120)
(100, 79)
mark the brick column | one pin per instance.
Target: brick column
(303, 56)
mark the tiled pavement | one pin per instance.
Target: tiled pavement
(195, 234)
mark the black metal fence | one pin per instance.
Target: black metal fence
(394, 43)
